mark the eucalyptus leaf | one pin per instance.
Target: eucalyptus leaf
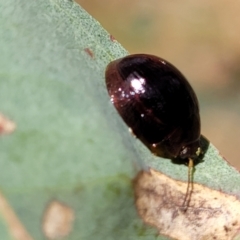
(70, 145)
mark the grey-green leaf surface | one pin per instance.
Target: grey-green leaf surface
(4, 233)
(70, 145)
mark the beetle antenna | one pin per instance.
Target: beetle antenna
(189, 185)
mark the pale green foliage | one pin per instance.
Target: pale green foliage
(70, 145)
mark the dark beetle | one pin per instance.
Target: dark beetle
(157, 103)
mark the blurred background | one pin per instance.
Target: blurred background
(202, 39)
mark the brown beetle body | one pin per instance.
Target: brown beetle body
(156, 101)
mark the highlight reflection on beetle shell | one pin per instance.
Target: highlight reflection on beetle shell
(156, 101)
